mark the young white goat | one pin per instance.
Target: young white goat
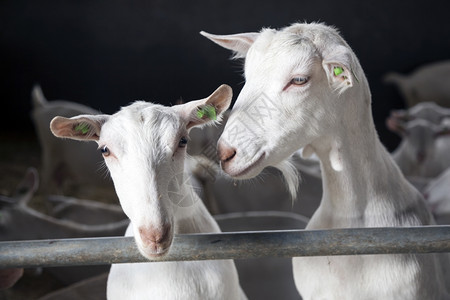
(320, 100)
(144, 146)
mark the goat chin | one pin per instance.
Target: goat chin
(154, 255)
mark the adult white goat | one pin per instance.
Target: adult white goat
(320, 100)
(144, 148)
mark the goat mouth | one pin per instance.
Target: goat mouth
(241, 173)
(154, 255)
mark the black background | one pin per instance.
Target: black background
(106, 54)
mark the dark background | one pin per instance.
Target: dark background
(106, 54)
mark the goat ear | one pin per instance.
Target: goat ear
(207, 110)
(337, 66)
(83, 127)
(238, 43)
(396, 125)
(400, 114)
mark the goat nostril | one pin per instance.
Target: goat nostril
(230, 157)
(226, 153)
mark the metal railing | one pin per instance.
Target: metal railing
(232, 245)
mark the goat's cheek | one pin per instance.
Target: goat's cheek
(113, 164)
(179, 154)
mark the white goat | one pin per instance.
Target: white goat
(144, 148)
(320, 99)
(427, 83)
(424, 149)
(64, 162)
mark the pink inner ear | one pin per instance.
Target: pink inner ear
(221, 98)
(192, 119)
(393, 124)
(340, 73)
(61, 127)
(67, 128)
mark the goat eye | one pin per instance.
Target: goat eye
(183, 142)
(105, 151)
(299, 80)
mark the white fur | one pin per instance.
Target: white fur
(146, 163)
(362, 186)
(261, 193)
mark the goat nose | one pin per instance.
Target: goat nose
(151, 235)
(225, 152)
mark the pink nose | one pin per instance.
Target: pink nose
(156, 239)
(226, 153)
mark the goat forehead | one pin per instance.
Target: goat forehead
(320, 34)
(282, 51)
(144, 126)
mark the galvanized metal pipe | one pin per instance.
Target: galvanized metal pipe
(238, 245)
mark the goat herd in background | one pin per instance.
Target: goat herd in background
(316, 124)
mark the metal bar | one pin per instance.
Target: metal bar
(238, 245)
